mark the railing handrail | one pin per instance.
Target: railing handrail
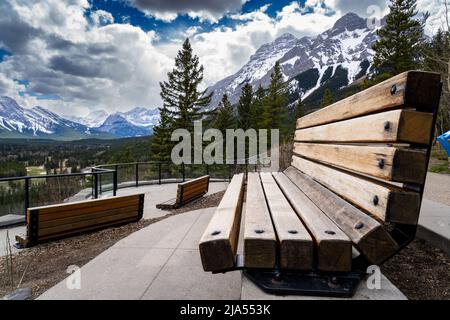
(97, 173)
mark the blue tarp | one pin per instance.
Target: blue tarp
(443, 140)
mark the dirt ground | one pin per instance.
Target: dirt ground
(43, 266)
(420, 271)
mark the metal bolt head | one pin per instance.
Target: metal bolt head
(359, 225)
(387, 125)
(293, 231)
(375, 200)
(330, 232)
(393, 89)
(215, 233)
(259, 231)
(381, 163)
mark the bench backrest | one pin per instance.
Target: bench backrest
(63, 220)
(373, 148)
(192, 189)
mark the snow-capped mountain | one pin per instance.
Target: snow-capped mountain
(17, 122)
(307, 63)
(92, 120)
(119, 126)
(38, 122)
(142, 117)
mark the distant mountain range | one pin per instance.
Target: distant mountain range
(333, 59)
(38, 122)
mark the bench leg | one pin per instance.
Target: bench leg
(306, 284)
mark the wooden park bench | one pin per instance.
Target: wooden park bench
(69, 219)
(350, 199)
(187, 192)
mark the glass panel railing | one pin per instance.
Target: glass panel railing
(171, 173)
(105, 182)
(126, 175)
(53, 190)
(148, 173)
(193, 171)
(12, 197)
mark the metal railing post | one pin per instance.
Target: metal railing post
(95, 176)
(100, 188)
(136, 168)
(115, 180)
(27, 194)
(159, 172)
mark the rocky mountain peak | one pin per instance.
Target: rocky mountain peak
(351, 21)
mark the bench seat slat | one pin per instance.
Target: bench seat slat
(218, 245)
(260, 240)
(295, 243)
(75, 226)
(79, 205)
(74, 211)
(413, 89)
(367, 234)
(333, 247)
(392, 126)
(386, 202)
(82, 217)
(69, 233)
(389, 163)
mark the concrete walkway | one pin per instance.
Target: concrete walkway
(155, 194)
(162, 261)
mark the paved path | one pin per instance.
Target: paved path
(162, 261)
(155, 194)
(437, 188)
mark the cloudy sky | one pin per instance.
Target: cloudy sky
(76, 56)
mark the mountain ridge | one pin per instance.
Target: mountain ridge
(39, 122)
(347, 44)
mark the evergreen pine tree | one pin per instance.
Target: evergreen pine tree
(257, 109)
(224, 116)
(397, 50)
(183, 103)
(161, 146)
(224, 119)
(180, 94)
(327, 98)
(299, 110)
(244, 107)
(275, 103)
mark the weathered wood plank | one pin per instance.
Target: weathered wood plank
(69, 211)
(414, 89)
(75, 226)
(386, 202)
(389, 163)
(367, 234)
(218, 244)
(85, 204)
(260, 241)
(392, 126)
(295, 243)
(90, 228)
(333, 247)
(83, 217)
